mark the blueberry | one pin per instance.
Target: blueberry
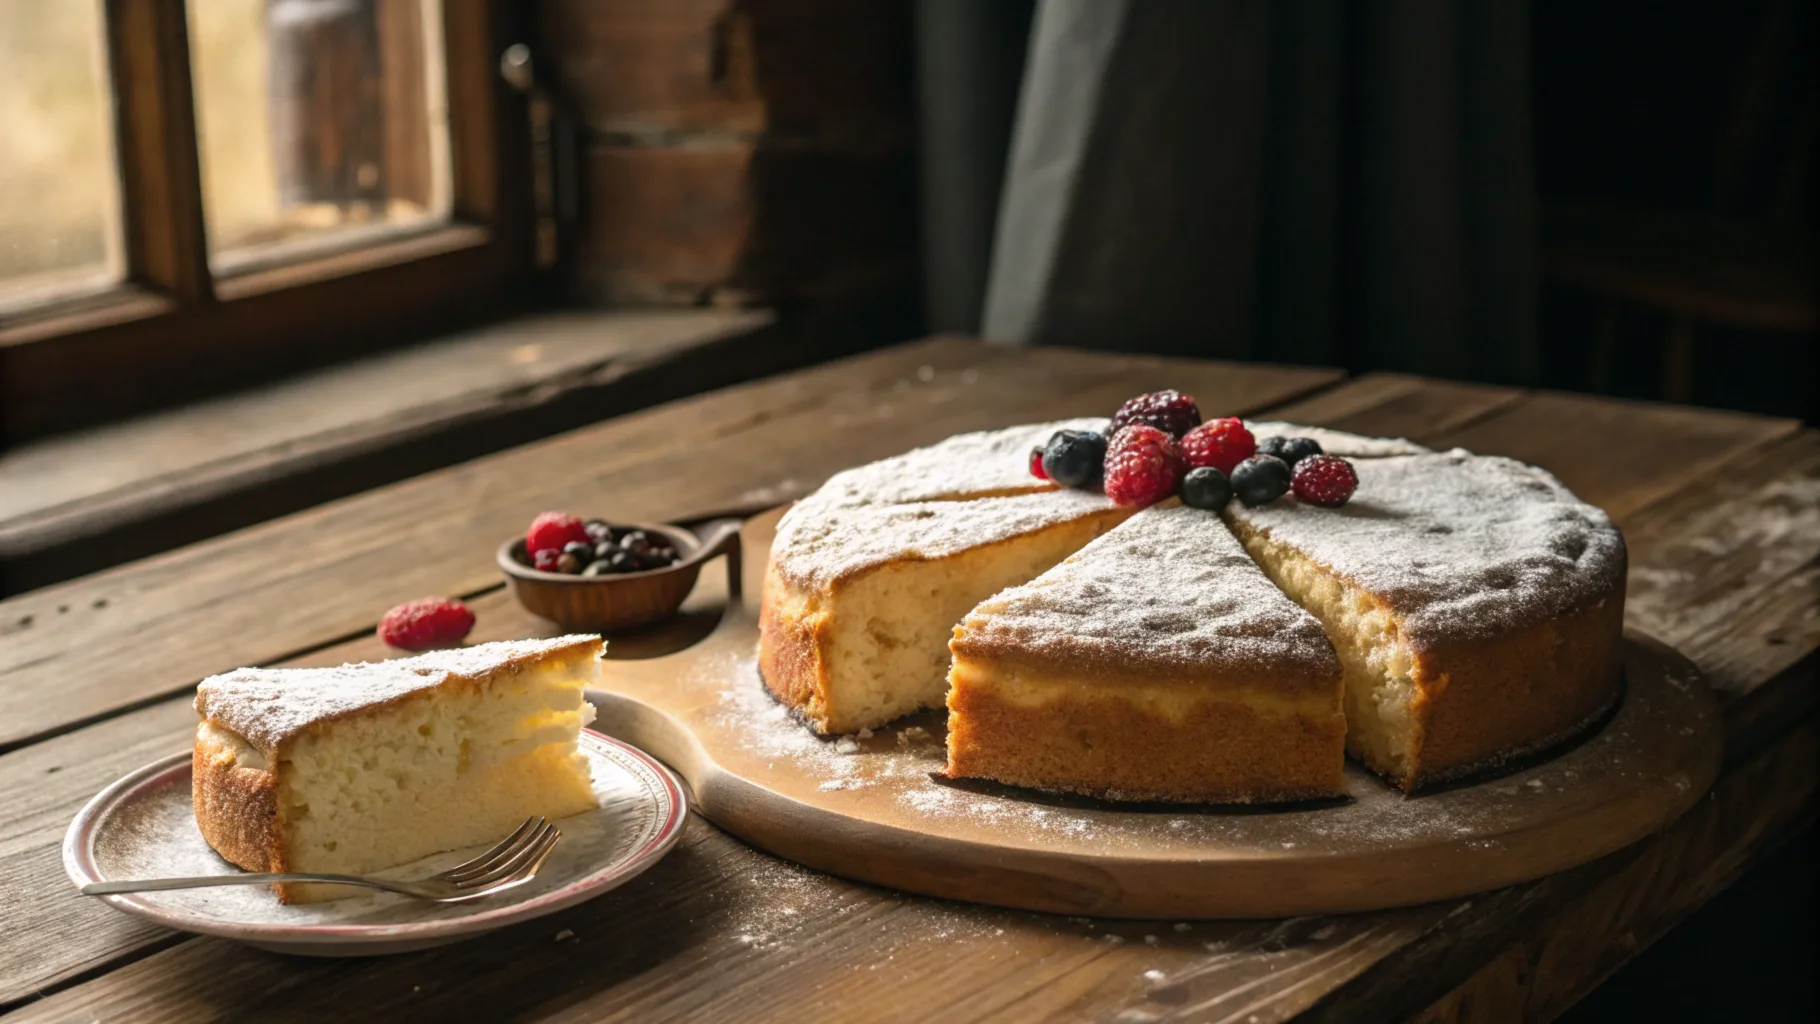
(1260, 479)
(583, 552)
(655, 558)
(598, 567)
(622, 561)
(598, 530)
(605, 549)
(1290, 449)
(1206, 487)
(1075, 458)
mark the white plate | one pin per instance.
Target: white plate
(143, 826)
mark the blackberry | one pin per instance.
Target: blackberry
(1075, 458)
(1171, 412)
(1260, 479)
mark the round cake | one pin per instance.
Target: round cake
(1457, 611)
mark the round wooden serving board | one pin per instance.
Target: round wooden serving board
(877, 809)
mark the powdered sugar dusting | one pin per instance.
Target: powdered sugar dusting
(1458, 544)
(268, 706)
(818, 542)
(986, 463)
(1168, 593)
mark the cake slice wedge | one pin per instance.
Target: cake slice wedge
(1476, 604)
(860, 600)
(363, 767)
(1157, 663)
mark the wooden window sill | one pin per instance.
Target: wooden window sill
(79, 502)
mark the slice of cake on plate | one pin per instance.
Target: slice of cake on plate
(860, 600)
(363, 767)
(1158, 663)
(1477, 605)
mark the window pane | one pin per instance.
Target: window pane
(59, 196)
(323, 123)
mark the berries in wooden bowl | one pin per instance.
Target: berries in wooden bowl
(596, 576)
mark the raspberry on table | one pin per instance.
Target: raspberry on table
(1171, 412)
(1036, 464)
(1324, 480)
(555, 530)
(1222, 444)
(1143, 465)
(425, 623)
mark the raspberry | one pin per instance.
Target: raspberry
(1222, 444)
(1036, 464)
(553, 530)
(1171, 412)
(545, 560)
(1143, 465)
(1324, 480)
(425, 623)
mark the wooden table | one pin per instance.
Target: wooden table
(1722, 513)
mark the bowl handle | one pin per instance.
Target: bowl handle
(721, 538)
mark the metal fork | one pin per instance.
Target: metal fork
(513, 862)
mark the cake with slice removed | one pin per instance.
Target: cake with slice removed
(1157, 663)
(363, 767)
(1476, 605)
(860, 600)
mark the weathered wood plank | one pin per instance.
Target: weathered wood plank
(264, 593)
(81, 502)
(1617, 911)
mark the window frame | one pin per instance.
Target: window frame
(169, 330)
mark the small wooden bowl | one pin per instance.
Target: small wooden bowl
(601, 604)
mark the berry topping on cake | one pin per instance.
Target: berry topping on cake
(429, 622)
(1290, 449)
(1036, 464)
(1260, 479)
(1324, 480)
(1143, 465)
(1171, 412)
(553, 530)
(1206, 487)
(1073, 458)
(1222, 444)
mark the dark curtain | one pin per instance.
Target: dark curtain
(1315, 181)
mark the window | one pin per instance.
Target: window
(198, 194)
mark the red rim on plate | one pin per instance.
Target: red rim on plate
(80, 864)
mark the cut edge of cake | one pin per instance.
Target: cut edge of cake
(855, 639)
(1426, 704)
(1209, 686)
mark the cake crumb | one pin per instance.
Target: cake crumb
(846, 745)
(1113, 939)
(864, 734)
(1151, 940)
(564, 934)
(1154, 975)
(1182, 926)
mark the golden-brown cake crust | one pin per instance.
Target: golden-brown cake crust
(1095, 742)
(1484, 701)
